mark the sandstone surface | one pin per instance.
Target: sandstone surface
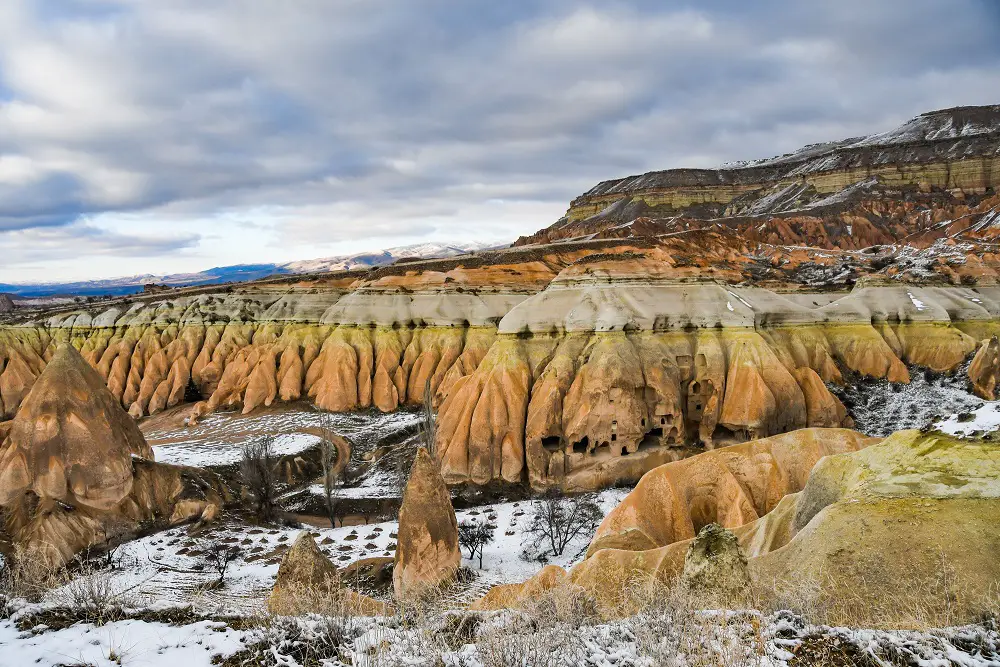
(427, 553)
(904, 525)
(730, 486)
(75, 470)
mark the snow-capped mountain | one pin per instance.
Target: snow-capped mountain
(243, 272)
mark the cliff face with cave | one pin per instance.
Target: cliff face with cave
(608, 373)
(666, 314)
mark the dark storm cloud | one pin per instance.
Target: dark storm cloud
(410, 116)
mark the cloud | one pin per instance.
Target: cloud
(254, 130)
(34, 249)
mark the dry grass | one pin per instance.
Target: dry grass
(925, 602)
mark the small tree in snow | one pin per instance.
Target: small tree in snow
(557, 520)
(475, 537)
(333, 469)
(257, 468)
(219, 557)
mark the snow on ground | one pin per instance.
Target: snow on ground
(215, 453)
(501, 559)
(170, 566)
(984, 419)
(133, 643)
(218, 438)
(879, 407)
(709, 637)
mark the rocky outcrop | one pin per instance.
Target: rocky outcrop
(715, 568)
(731, 486)
(427, 553)
(6, 304)
(70, 441)
(611, 371)
(846, 535)
(308, 582)
(75, 470)
(985, 369)
(952, 150)
(908, 523)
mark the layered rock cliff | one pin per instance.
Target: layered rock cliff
(612, 364)
(626, 339)
(952, 153)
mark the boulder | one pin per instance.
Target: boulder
(427, 552)
(6, 304)
(715, 568)
(308, 582)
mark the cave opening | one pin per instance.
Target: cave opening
(552, 443)
(581, 446)
(652, 439)
(191, 392)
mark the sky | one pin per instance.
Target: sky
(177, 135)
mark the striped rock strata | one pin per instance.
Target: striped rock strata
(611, 371)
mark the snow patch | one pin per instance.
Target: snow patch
(983, 419)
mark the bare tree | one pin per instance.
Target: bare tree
(427, 430)
(260, 476)
(333, 469)
(219, 557)
(475, 537)
(426, 434)
(558, 520)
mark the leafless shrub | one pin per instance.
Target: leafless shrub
(522, 641)
(27, 576)
(219, 557)
(257, 468)
(332, 470)
(674, 628)
(475, 537)
(558, 520)
(427, 429)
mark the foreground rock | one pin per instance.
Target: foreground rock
(308, 583)
(75, 471)
(715, 568)
(904, 531)
(427, 553)
(71, 441)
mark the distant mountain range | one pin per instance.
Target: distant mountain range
(240, 272)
